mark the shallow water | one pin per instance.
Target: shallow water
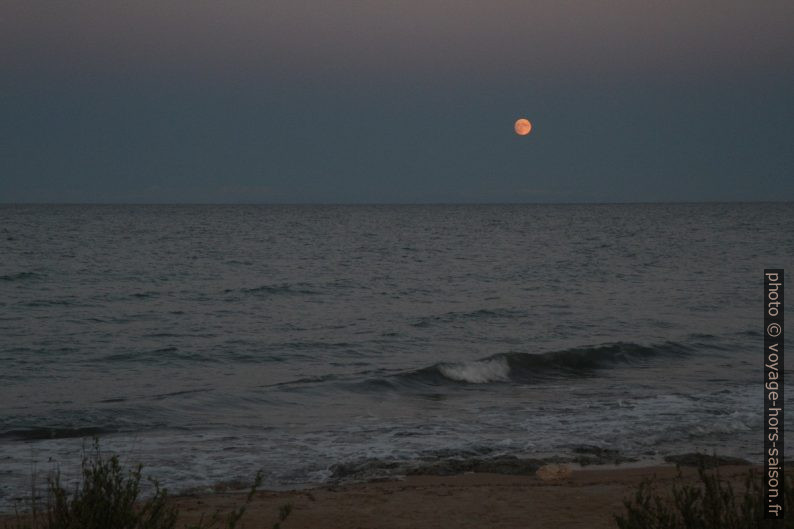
(210, 341)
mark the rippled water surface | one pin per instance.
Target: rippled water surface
(210, 341)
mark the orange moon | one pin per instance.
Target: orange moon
(523, 127)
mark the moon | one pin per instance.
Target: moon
(522, 127)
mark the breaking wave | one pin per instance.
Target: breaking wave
(529, 367)
(479, 372)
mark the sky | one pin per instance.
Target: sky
(409, 101)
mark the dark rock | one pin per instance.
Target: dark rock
(448, 453)
(510, 465)
(707, 461)
(366, 469)
(596, 455)
(595, 451)
(375, 469)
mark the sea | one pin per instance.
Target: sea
(211, 341)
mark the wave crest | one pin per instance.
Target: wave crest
(477, 372)
(531, 367)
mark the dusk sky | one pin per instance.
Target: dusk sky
(398, 101)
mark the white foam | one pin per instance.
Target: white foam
(479, 372)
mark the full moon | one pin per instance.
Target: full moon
(523, 127)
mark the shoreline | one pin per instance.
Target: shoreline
(563, 498)
(560, 495)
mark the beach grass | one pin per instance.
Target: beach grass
(711, 502)
(108, 496)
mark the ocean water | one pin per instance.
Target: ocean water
(211, 341)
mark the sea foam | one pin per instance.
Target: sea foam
(478, 372)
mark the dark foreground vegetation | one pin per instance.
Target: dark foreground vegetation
(109, 497)
(711, 503)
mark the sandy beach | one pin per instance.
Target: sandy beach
(585, 498)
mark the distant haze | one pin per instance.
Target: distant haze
(410, 101)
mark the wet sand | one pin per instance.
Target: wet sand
(586, 498)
